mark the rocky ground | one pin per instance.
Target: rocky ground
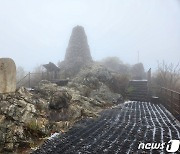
(29, 116)
(118, 130)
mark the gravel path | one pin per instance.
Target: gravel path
(117, 131)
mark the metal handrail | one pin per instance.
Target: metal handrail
(22, 78)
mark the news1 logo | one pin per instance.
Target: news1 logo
(171, 146)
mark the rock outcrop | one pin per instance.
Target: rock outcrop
(7, 75)
(20, 119)
(26, 116)
(95, 81)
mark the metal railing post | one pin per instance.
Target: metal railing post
(29, 79)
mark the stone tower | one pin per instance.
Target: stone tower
(77, 54)
(78, 51)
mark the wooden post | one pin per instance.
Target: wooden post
(149, 77)
(179, 105)
(161, 98)
(149, 83)
(42, 76)
(166, 97)
(172, 110)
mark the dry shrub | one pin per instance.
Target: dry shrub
(119, 83)
(167, 75)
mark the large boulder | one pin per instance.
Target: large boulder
(59, 100)
(7, 75)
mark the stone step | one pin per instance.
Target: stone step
(138, 97)
(139, 90)
(137, 83)
(138, 86)
(137, 93)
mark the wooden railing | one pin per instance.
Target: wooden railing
(171, 100)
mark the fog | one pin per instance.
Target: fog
(34, 32)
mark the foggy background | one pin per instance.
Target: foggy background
(34, 32)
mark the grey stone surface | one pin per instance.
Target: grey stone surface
(77, 54)
(78, 48)
(7, 75)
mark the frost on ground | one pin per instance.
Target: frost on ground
(118, 131)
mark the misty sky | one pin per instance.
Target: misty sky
(34, 32)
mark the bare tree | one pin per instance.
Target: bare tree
(112, 63)
(37, 75)
(168, 75)
(137, 71)
(116, 65)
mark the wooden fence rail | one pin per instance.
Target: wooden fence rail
(171, 100)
